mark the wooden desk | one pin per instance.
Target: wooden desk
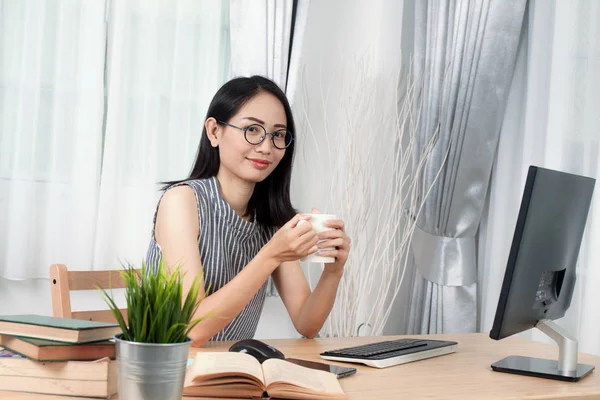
(462, 375)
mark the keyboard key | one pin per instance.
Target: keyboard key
(376, 349)
(392, 352)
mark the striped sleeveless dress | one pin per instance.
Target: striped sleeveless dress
(227, 243)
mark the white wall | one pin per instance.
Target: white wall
(351, 49)
(275, 322)
(25, 297)
(33, 297)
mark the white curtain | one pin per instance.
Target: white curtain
(261, 34)
(552, 121)
(51, 110)
(166, 59)
(79, 170)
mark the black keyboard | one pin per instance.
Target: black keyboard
(378, 350)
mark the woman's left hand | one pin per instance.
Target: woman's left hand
(336, 239)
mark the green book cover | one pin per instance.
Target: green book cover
(60, 323)
(46, 343)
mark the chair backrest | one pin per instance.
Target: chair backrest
(63, 281)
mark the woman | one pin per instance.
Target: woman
(233, 221)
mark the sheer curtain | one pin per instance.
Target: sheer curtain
(262, 34)
(100, 101)
(551, 121)
(166, 59)
(51, 110)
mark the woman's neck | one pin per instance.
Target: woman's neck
(236, 192)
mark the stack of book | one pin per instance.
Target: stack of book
(57, 356)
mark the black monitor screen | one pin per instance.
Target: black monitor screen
(540, 273)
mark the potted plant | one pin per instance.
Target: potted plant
(152, 350)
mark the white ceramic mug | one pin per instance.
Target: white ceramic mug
(316, 221)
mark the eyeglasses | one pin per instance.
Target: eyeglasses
(256, 134)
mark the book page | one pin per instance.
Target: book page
(210, 365)
(280, 371)
(224, 391)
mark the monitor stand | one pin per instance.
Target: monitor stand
(565, 369)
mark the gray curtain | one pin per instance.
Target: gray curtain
(464, 57)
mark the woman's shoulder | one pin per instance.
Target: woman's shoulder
(189, 194)
(201, 188)
(178, 197)
(176, 213)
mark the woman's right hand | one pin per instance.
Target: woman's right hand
(294, 240)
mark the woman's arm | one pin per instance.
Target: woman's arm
(307, 310)
(176, 232)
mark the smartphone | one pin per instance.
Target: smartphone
(339, 372)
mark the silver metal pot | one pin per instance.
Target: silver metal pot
(151, 371)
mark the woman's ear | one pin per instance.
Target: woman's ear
(213, 130)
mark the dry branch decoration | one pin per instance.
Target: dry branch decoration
(359, 154)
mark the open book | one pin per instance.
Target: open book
(239, 375)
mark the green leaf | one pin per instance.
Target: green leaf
(157, 311)
(116, 312)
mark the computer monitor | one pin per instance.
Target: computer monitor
(540, 273)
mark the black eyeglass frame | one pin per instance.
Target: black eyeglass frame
(272, 134)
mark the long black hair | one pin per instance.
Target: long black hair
(270, 202)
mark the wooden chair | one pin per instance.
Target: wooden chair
(62, 282)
